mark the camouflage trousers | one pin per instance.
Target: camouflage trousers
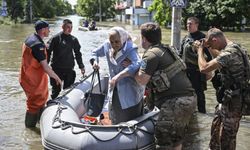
(173, 120)
(225, 126)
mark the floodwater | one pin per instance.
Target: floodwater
(14, 135)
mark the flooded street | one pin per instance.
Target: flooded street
(14, 135)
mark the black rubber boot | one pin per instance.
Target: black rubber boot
(39, 115)
(30, 120)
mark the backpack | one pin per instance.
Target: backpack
(245, 87)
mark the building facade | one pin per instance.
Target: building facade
(134, 12)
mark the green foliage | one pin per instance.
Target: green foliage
(15, 9)
(6, 21)
(219, 13)
(212, 13)
(20, 9)
(90, 8)
(162, 11)
(43, 8)
(63, 8)
(83, 8)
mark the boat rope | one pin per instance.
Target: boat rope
(121, 128)
(65, 125)
(57, 117)
(99, 139)
(68, 90)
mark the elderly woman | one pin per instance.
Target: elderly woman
(123, 61)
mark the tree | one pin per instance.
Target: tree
(63, 8)
(219, 13)
(90, 8)
(15, 9)
(162, 11)
(43, 8)
(212, 13)
(20, 9)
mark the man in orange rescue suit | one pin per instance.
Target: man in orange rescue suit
(33, 74)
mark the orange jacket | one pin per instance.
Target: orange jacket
(33, 80)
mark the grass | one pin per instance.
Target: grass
(6, 20)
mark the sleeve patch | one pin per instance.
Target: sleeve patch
(143, 64)
(41, 48)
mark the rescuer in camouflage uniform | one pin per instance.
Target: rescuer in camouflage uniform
(229, 60)
(163, 71)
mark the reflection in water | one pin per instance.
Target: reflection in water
(7, 41)
(13, 134)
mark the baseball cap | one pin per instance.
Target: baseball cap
(41, 24)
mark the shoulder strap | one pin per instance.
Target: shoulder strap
(35, 43)
(96, 72)
(60, 39)
(165, 49)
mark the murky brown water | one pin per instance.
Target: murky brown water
(14, 135)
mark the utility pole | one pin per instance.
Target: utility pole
(100, 11)
(177, 6)
(176, 28)
(31, 14)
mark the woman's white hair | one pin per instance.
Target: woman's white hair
(124, 35)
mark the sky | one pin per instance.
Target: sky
(72, 2)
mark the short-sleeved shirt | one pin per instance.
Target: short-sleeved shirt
(155, 59)
(230, 58)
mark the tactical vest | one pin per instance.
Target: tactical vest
(189, 56)
(161, 78)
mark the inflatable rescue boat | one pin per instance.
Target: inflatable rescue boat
(61, 126)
